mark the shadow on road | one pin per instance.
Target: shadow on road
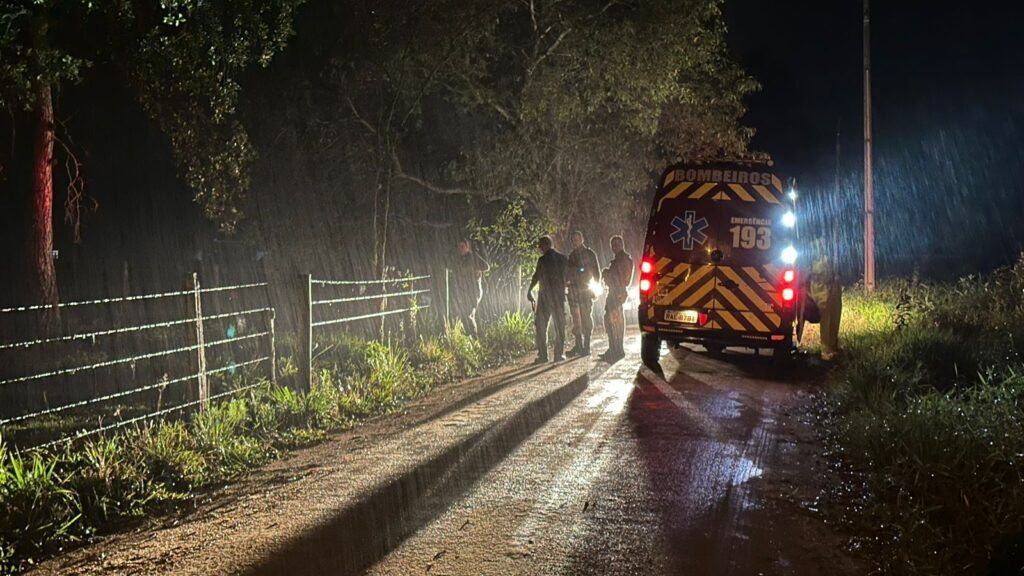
(514, 377)
(699, 446)
(359, 536)
(749, 364)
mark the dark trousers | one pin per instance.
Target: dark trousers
(555, 311)
(581, 308)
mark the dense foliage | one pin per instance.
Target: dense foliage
(184, 60)
(564, 107)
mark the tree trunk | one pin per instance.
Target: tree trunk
(381, 213)
(44, 278)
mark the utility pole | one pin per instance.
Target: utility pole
(869, 192)
(834, 249)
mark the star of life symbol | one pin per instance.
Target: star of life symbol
(689, 229)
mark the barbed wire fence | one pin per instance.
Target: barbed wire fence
(147, 370)
(357, 301)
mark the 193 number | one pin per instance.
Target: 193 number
(748, 237)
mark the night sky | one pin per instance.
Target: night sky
(948, 86)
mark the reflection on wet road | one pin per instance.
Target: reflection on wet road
(580, 468)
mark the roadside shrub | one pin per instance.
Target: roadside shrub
(435, 362)
(355, 398)
(220, 434)
(109, 483)
(508, 338)
(38, 513)
(465, 349)
(166, 454)
(322, 403)
(391, 377)
(278, 410)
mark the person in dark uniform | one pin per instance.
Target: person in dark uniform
(617, 277)
(583, 270)
(467, 276)
(550, 301)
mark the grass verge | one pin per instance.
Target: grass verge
(929, 407)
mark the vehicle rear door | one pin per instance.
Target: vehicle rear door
(684, 233)
(751, 236)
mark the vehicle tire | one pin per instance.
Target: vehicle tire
(714, 349)
(650, 350)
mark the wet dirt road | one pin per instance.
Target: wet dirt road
(577, 468)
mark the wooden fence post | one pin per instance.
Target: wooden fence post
(271, 321)
(204, 385)
(305, 359)
(447, 298)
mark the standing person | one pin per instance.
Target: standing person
(468, 274)
(583, 269)
(827, 292)
(617, 277)
(550, 301)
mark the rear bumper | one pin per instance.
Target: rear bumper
(671, 332)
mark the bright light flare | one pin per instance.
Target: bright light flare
(646, 266)
(789, 255)
(789, 275)
(792, 194)
(645, 285)
(789, 219)
(595, 287)
(788, 294)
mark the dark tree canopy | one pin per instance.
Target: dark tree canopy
(386, 126)
(184, 59)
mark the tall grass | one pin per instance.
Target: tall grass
(508, 338)
(40, 514)
(931, 406)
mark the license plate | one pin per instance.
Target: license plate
(684, 316)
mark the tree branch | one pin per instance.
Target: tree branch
(551, 49)
(76, 188)
(399, 174)
(358, 118)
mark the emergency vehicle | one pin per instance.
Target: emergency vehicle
(719, 261)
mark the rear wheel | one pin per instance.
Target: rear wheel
(650, 350)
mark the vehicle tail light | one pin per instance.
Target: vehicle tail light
(702, 318)
(788, 287)
(646, 276)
